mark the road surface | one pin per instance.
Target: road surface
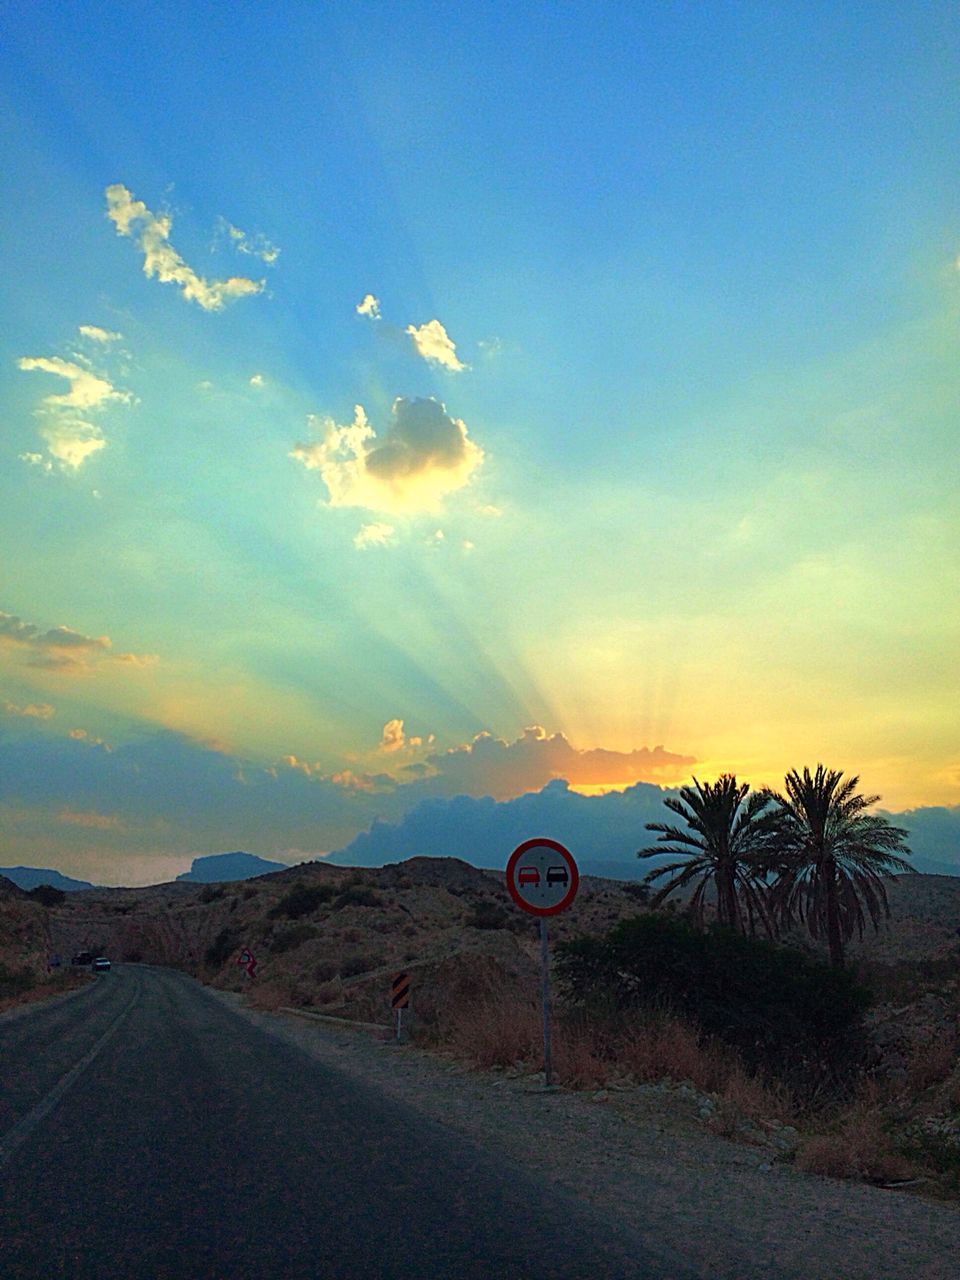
(148, 1132)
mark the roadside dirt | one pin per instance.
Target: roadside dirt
(641, 1155)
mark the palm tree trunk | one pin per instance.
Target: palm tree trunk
(726, 898)
(834, 934)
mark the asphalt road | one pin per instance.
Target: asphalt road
(148, 1132)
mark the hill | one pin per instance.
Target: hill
(220, 868)
(31, 877)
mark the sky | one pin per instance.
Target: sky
(407, 401)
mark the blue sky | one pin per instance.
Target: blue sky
(652, 319)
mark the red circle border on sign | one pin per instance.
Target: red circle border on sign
(557, 847)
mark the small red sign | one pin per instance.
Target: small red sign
(542, 877)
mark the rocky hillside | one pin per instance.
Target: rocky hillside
(331, 937)
(24, 941)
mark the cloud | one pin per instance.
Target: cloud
(495, 767)
(393, 738)
(423, 455)
(258, 380)
(151, 232)
(89, 819)
(66, 426)
(432, 342)
(30, 711)
(61, 648)
(374, 535)
(256, 246)
(602, 832)
(369, 306)
(96, 334)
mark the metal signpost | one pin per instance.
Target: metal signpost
(542, 879)
(400, 998)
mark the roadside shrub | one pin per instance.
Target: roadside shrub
(786, 1014)
(47, 895)
(300, 901)
(352, 965)
(211, 892)
(325, 970)
(14, 981)
(486, 914)
(356, 897)
(221, 948)
(295, 936)
(639, 891)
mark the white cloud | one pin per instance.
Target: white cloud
(369, 306)
(393, 738)
(87, 391)
(374, 535)
(152, 234)
(423, 455)
(65, 423)
(63, 649)
(96, 334)
(30, 711)
(433, 343)
(256, 246)
(258, 380)
(488, 509)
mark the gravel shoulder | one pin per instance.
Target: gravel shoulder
(641, 1156)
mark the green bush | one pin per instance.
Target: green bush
(46, 895)
(221, 948)
(798, 1018)
(488, 915)
(295, 936)
(211, 892)
(356, 897)
(352, 965)
(300, 901)
(14, 981)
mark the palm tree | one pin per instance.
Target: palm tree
(837, 855)
(729, 836)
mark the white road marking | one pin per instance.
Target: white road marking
(24, 1127)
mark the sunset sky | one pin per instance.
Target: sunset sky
(414, 400)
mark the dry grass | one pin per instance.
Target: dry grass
(54, 984)
(859, 1147)
(506, 1032)
(930, 1063)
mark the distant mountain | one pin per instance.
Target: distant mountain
(30, 877)
(216, 868)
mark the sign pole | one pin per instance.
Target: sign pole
(399, 1023)
(545, 998)
(542, 879)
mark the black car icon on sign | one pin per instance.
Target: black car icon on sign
(558, 875)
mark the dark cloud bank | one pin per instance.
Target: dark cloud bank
(165, 794)
(603, 832)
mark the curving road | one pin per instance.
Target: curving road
(148, 1132)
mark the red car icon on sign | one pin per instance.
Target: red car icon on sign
(528, 875)
(558, 875)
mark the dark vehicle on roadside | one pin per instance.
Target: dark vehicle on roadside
(101, 964)
(83, 957)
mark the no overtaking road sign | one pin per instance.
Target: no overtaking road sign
(542, 877)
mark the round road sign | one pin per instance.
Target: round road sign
(542, 877)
